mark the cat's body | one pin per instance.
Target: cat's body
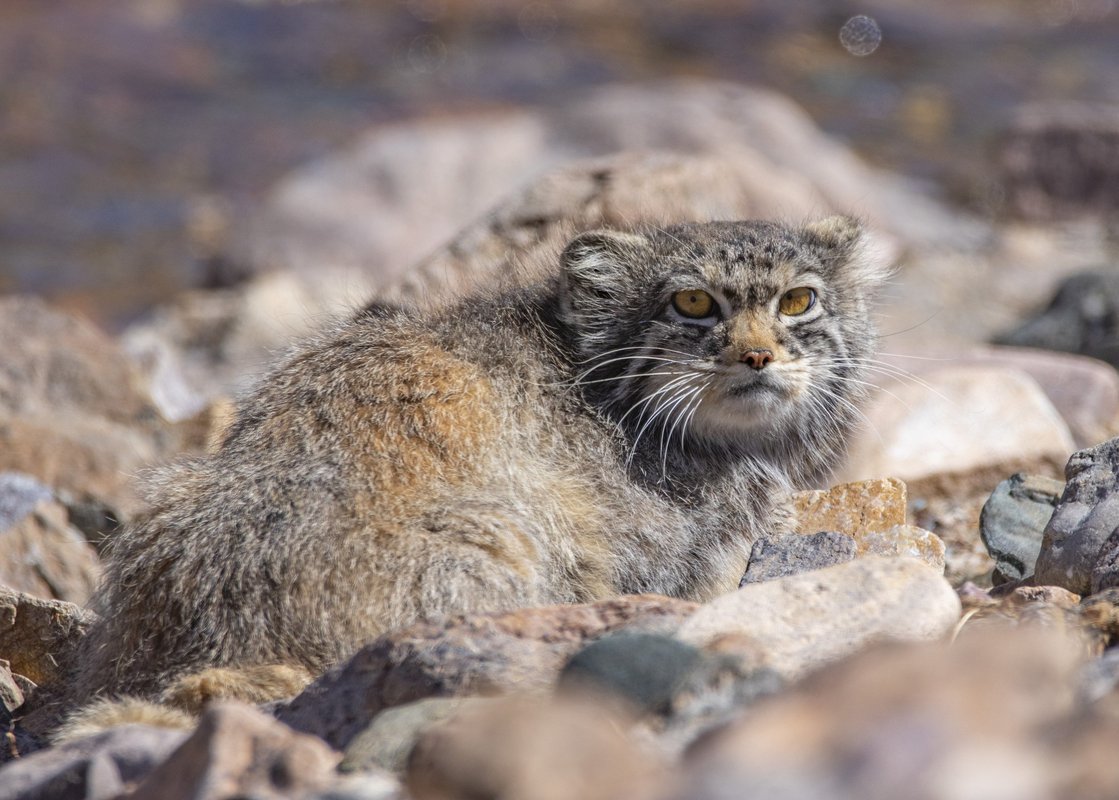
(631, 425)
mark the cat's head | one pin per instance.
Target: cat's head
(726, 333)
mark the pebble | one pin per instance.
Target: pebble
(852, 508)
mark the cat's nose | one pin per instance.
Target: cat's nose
(756, 358)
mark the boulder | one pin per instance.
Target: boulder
(805, 621)
(957, 419)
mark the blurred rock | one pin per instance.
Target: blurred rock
(479, 654)
(207, 345)
(524, 233)
(1084, 391)
(1082, 317)
(852, 508)
(775, 557)
(388, 740)
(99, 767)
(1061, 159)
(405, 189)
(40, 552)
(237, 751)
(958, 419)
(1087, 514)
(805, 621)
(989, 717)
(643, 670)
(74, 411)
(533, 749)
(36, 635)
(1013, 520)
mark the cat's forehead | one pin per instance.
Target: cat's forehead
(749, 261)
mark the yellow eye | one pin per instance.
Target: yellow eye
(797, 301)
(694, 303)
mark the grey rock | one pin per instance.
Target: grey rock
(1105, 572)
(389, 738)
(1087, 514)
(643, 669)
(96, 767)
(1082, 317)
(777, 557)
(19, 494)
(1013, 520)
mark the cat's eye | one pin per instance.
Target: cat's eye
(797, 301)
(694, 303)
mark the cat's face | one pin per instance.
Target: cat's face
(722, 332)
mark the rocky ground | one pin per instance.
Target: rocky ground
(939, 626)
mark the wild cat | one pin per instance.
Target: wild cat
(630, 423)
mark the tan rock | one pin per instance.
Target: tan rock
(957, 420)
(74, 411)
(805, 621)
(903, 540)
(237, 751)
(480, 654)
(533, 749)
(36, 635)
(852, 508)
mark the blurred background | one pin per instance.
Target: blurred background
(139, 137)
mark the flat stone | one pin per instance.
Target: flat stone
(1087, 514)
(480, 654)
(1013, 521)
(957, 420)
(237, 751)
(805, 621)
(852, 508)
(775, 557)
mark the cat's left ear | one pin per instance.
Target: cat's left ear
(844, 242)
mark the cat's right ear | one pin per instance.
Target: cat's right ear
(596, 264)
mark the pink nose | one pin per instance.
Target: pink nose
(756, 359)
